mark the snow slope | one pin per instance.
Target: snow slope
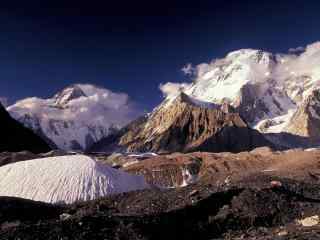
(76, 117)
(243, 79)
(223, 79)
(65, 179)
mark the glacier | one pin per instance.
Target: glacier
(65, 179)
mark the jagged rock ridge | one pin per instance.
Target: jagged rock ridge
(184, 126)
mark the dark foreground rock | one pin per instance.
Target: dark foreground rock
(267, 208)
(260, 194)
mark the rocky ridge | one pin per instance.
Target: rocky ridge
(186, 125)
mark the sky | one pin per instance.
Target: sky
(134, 46)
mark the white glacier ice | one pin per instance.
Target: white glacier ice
(65, 179)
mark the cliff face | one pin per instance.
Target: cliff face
(306, 121)
(187, 125)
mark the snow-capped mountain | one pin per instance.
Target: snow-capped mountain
(65, 179)
(77, 116)
(269, 90)
(276, 94)
(244, 80)
(273, 93)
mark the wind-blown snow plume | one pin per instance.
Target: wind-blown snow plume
(253, 65)
(297, 50)
(172, 89)
(304, 63)
(188, 69)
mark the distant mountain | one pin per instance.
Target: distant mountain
(77, 116)
(186, 125)
(15, 137)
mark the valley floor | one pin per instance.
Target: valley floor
(276, 197)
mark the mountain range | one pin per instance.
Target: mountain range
(274, 94)
(247, 99)
(184, 126)
(167, 179)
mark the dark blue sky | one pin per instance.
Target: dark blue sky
(133, 46)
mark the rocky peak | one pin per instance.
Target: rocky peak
(254, 55)
(66, 95)
(187, 125)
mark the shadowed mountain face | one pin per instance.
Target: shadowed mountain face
(185, 126)
(16, 138)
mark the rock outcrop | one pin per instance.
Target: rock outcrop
(306, 120)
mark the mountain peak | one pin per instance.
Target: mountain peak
(70, 93)
(186, 125)
(254, 55)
